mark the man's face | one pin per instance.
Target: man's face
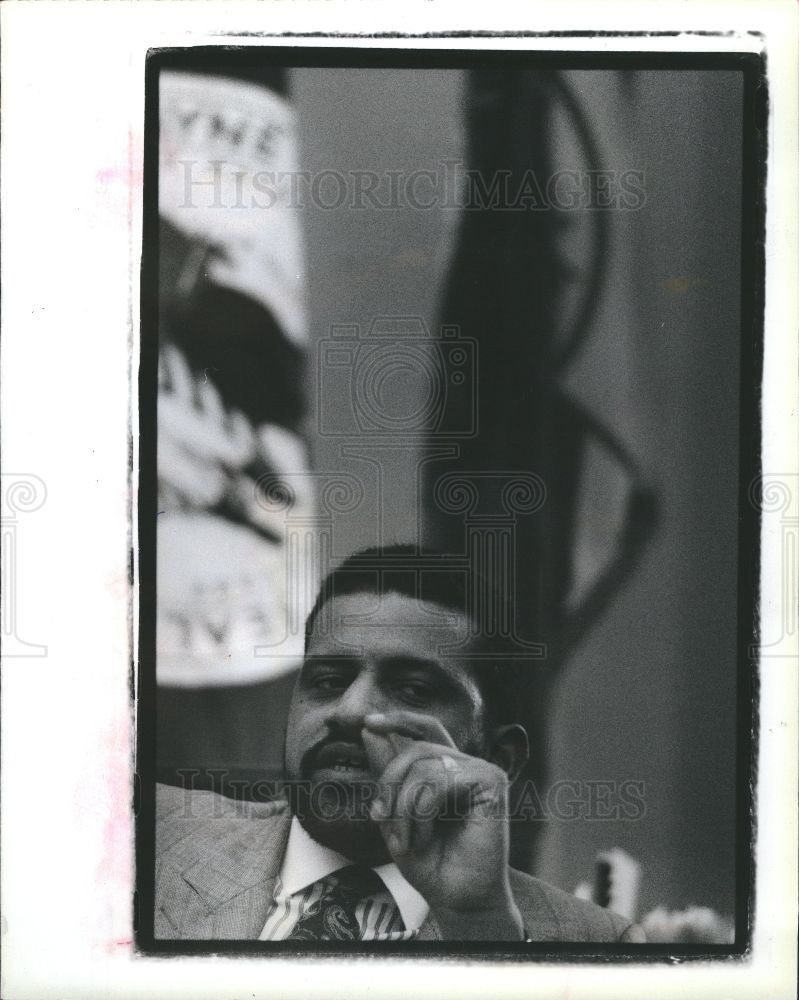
(358, 664)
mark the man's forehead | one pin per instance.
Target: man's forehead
(388, 618)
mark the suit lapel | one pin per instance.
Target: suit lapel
(220, 881)
(229, 878)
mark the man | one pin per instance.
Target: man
(400, 748)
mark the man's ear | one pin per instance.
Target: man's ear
(510, 749)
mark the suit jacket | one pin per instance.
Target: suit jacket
(217, 864)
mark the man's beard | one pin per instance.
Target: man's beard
(332, 801)
(335, 810)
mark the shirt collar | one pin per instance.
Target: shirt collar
(307, 861)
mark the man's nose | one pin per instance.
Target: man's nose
(360, 698)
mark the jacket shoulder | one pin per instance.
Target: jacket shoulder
(550, 914)
(182, 813)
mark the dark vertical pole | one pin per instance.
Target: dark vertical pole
(502, 291)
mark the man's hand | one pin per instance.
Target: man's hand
(443, 816)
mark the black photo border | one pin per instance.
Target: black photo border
(142, 565)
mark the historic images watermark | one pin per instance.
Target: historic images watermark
(566, 800)
(225, 184)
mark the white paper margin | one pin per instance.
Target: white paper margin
(72, 132)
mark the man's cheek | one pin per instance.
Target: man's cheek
(295, 744)
(467, 735)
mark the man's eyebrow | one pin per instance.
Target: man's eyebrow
(405, 661)
(339, 659)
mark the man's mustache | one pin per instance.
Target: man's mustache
(339, 746)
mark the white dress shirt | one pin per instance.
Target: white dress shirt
(300, 885)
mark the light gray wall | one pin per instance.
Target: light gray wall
(370, 263)
(650, 695)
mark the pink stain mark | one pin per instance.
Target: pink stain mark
(114, 871)
(129, 175)
(122, 182)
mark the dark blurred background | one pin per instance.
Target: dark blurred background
(607, 366)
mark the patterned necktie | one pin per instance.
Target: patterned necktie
(333, 917)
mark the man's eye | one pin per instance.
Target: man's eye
(415, 692)
(328, 682)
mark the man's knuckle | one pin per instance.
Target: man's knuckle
(422, 771)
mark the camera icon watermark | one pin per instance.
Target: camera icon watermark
(397, 381)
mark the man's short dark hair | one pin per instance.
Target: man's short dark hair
(506, 682)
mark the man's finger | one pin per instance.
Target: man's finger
(431, 799)
(415, 725)
(423, 800)
(448, 759)
(394, 828)
(410, 801)
(379, 751)
(417, 805)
